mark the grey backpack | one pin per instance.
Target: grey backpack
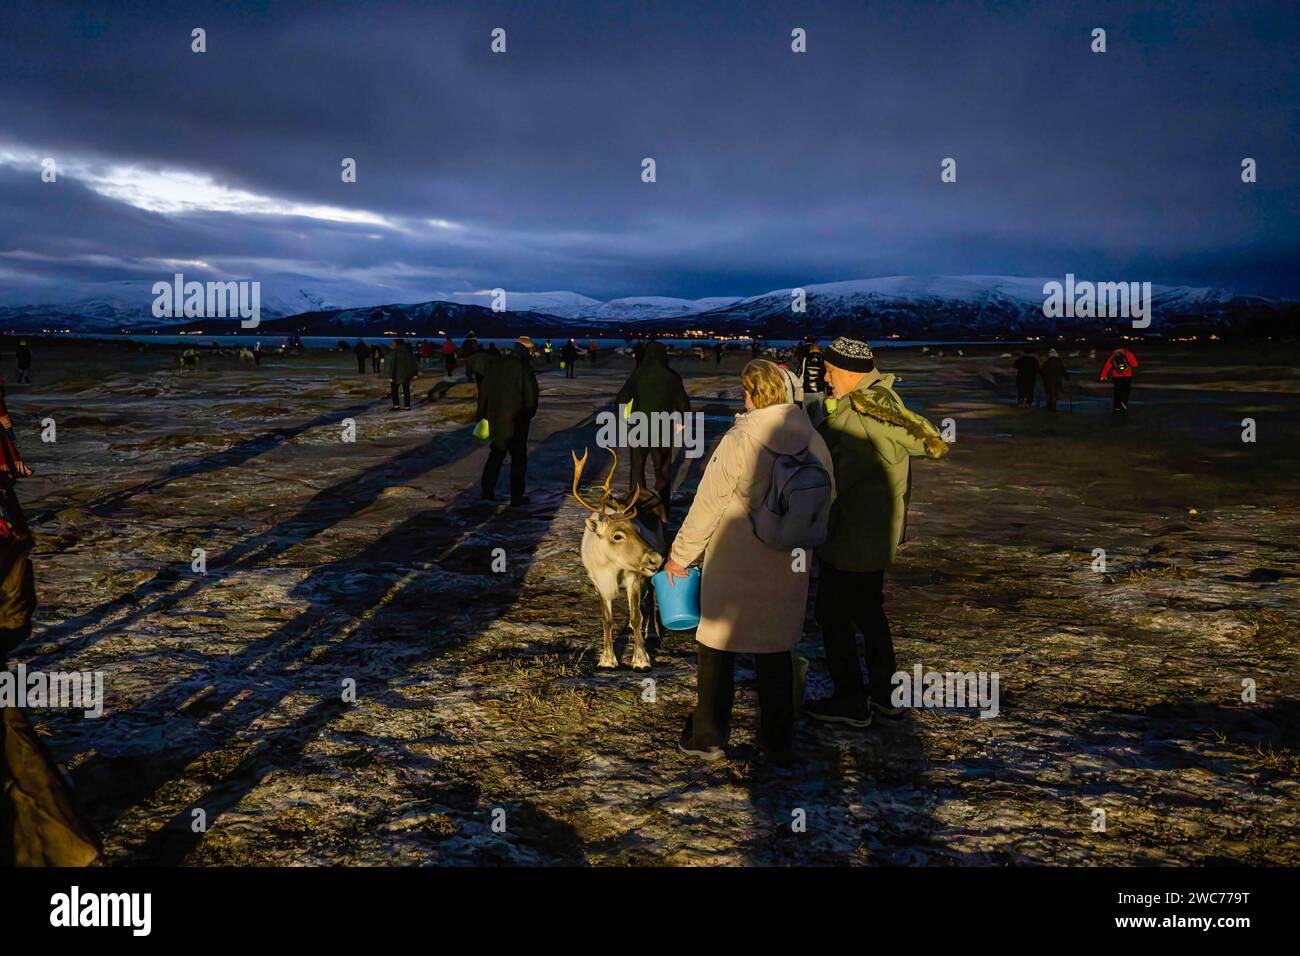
(797, 508)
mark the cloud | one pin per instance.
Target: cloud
(522, 170)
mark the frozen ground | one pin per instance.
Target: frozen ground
(476, 691)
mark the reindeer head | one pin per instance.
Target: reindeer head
(611, 526)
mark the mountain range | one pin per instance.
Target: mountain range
(906, 307)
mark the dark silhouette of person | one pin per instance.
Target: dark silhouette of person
(1054, 376)
(507, 398)
(654, 387)
(1026, 366)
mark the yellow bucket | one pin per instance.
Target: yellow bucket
(481, 429)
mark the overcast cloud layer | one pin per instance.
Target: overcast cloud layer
(522, 170)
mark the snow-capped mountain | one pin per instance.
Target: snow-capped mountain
(128, 303)
(566, 305)
(902, 306)
(964, 306)
(650, 307)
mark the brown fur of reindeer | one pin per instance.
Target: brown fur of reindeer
(620, 554)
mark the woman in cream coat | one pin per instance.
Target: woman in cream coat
(752, 595)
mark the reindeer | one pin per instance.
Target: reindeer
(618, 550)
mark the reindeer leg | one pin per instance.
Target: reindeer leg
(607, 658)
(640, 659)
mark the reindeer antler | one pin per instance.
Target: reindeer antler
(627, 512)
(578, 465)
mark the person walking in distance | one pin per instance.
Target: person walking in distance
(1054, 376)
(468, 347)
(1119, 369)
(401, 367)
(449, 356)
(362, 352)
(569, 355)
(24, 355)
(507, 398)
(1026, 366)
(871, 436)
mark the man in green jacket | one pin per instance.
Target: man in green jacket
(654, 387)
(508, 400)
(871, 436)
(401, 366)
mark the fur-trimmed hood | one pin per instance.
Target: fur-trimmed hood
(877, 399)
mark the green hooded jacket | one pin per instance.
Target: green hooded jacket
(872, 436)
(400, 364)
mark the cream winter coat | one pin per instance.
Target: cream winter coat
(752, 596)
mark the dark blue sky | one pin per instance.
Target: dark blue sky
(522, 170)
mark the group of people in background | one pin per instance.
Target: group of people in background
(1118, 369)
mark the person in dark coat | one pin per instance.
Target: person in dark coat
(1054, 376)
(570, 356)
(814, 370)
(814, 382)
(654, 387)
(376, 359)
(1026, 366)
(24, 355)
(507, 398)
(401, 366)
(362, 351)
(717, 353)
(476, 367)
(800, 353)
(467, 348)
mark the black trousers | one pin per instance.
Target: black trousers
(1123, 386)
(1052, 391)
(569, 367)
(406, 392)
(716, 688)
(361, 363)
(1024, 391)
(517, 449)
(848, 602)
(662, 459)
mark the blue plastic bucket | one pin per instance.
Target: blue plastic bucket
(679, 601)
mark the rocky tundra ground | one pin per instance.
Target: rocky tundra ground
(477, 700)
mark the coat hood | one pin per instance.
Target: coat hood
(655, 352)
(886, 379)
(783, 429)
